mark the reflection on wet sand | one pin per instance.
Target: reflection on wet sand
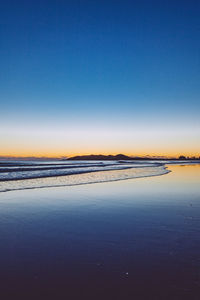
(131, 239)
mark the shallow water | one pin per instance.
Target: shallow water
(22, 170)
(94, 176)
(131, 239)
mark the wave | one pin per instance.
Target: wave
(31, 176)
(30, 171)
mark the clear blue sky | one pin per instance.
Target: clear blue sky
(100, 66)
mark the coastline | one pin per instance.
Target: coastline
(34, 175)
(99, 241)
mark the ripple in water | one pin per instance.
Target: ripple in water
(98, 175)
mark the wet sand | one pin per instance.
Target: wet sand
(130, 239)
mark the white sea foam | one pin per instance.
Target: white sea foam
(29, 176)
(30, 170)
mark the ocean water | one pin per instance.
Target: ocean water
(30, 174)
(128, 239)
(17, 175)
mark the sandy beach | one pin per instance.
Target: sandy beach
(129, 239)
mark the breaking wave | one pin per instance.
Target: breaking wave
(29, 175)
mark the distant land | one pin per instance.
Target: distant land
(96, 157)
(125, 157)
(101, 157)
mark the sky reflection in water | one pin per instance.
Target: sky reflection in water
(137, 237)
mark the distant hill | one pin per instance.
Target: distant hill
(101, 157)
(125, 157)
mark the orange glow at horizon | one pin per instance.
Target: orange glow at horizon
(51, 141)
(60, 154)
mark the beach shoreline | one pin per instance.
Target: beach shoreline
(125, 239)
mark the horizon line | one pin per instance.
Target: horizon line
(71, 156)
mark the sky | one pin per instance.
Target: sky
(82, 77)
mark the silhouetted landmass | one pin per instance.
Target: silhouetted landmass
(122, 157)
(182, 157)
(101, 157)
(119, 157)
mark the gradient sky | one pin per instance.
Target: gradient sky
(81, 77)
